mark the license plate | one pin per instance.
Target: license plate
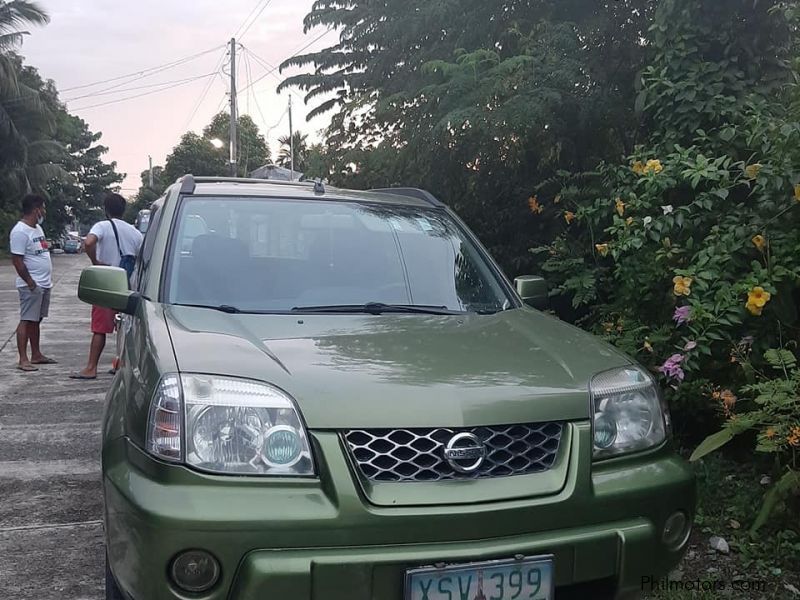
(514, 579)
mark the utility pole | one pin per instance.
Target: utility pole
(150, 177)
(234, 111)
(291, 142)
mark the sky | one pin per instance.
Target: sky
(88, 41)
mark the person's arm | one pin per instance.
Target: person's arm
(90, 245)
(17, 246)
(19, 264)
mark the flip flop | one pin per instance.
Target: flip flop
(46, 361)
(79, 376)
(27, 368)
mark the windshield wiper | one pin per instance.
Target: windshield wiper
(377, 308)
(226, 308)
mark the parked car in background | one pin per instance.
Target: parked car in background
(332, 393)
(73, 246)
(142, 220)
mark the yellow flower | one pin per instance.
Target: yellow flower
(794, 437)
(759, 242)
(648, 346)
(569, 216)
(533, 204)
(751, 171)
(682, 285)
(620, 206)
(797, 192)
(757, 298)
(638, 167)
(770, 433)
(602, 249)
(629, 221)
(653, 166)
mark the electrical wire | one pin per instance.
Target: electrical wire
(242, 34)
(250, 90)
(272, 68)
(203, 95)
(247, 18)
(295, 53)
(144, 72)
(138, 87)
(168, 87)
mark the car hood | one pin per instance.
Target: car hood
(360, 371)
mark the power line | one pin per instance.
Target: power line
(203, 95)
(241, 35)
(250, 90)
(247, 18)
(168, 87)
(138, 87)
(297, 52)
(143, 72)
(267, 65)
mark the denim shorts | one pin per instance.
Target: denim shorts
(33, 305)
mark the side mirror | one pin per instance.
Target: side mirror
(533, 291)
(107, 287)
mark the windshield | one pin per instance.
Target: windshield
(257, 254)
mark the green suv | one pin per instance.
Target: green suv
(336, 394)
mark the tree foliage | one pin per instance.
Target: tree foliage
(197, 155)
(301, 151)
(477, 101)
(42, 147)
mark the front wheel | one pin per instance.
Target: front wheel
(112, 589)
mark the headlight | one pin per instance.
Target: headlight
(627, 412)
(231, 426)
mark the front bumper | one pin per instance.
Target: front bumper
(322, 539)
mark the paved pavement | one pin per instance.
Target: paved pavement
(51, 542)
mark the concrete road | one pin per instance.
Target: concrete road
(51, 536)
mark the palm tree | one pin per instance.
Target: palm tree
(28, 156)
(300, 151)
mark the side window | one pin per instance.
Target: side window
(146, 251)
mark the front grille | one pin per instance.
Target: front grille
(418, 454)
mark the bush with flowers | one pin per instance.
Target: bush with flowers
(687, 253)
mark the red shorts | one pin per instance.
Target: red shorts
(102, 320)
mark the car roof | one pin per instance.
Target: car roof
(305, 190)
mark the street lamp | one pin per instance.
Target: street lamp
(217, 143)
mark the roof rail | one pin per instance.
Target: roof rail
(412, 193)
(189, 182)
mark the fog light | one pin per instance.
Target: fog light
(282, 447)
(676, 530)
(605, 431)
(195, 571)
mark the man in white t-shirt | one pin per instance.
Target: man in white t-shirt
(31, 258)
(107, 243)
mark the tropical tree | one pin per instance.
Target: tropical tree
(252, 149)
(42, 147)
(301, 151)
(477, 101)
(207, 154)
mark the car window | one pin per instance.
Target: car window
(146, 250)
(275, 254)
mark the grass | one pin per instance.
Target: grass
(730, 495)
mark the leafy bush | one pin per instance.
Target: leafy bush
(687, 253)
(775, 416)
